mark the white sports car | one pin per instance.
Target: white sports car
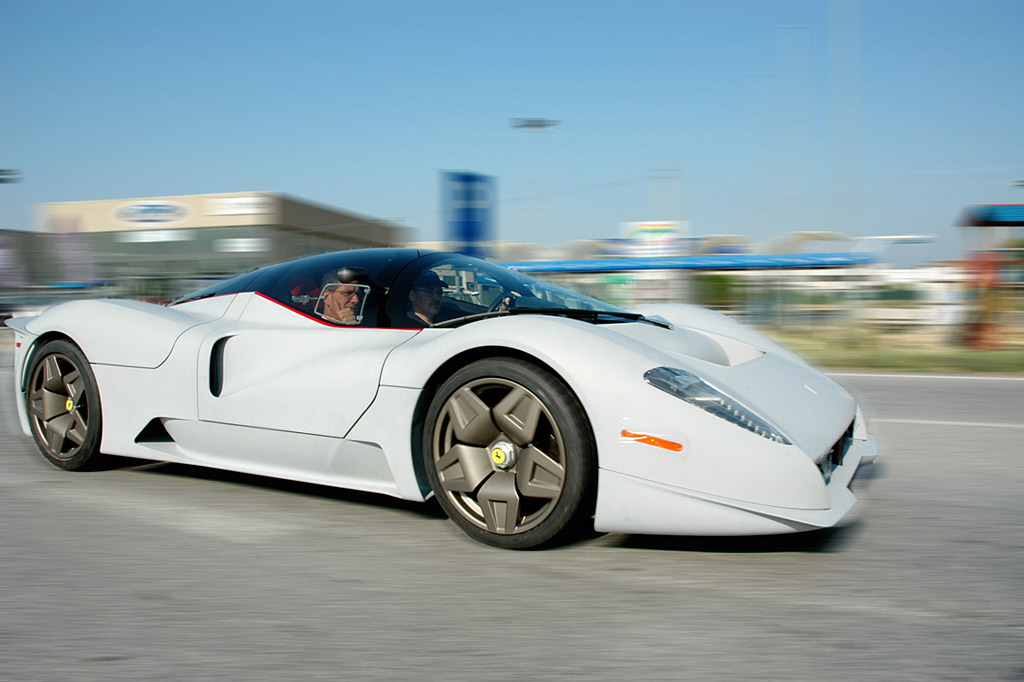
(525, 408)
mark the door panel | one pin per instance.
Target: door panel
(310, 380)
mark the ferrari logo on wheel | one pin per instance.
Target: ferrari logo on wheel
(503, 454)
(70, 404)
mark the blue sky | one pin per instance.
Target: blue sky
(754, 117)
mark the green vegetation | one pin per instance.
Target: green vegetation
(835, 349)
(715, 290)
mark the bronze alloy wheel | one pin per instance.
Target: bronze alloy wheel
(63, 405)
(510, 459)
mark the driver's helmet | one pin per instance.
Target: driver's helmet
(341, 302)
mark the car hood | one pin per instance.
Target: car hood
(807, 406)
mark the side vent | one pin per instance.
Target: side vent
(154, 433)
(217, 367)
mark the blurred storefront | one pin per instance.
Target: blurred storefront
(169, 242)
(993, 239)
(15, 268)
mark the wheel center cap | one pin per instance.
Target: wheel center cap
(503, 454)
(69, 404)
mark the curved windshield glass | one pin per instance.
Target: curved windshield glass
(453, 289)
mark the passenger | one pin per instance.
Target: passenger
(425, 298)
(342, 301)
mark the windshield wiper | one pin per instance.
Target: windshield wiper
(574, 313)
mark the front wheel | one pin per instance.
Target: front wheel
(509, 454)
(64, 405)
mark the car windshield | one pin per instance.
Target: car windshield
(454, 289)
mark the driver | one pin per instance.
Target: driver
(342, 302)
(425, 298)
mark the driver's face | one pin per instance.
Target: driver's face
(341, 302)
(345, 296)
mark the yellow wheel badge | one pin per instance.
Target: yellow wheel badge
(503, 454)
(70, 404)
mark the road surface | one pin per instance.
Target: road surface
(166, 572)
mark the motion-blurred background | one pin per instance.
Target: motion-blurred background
(846, 174)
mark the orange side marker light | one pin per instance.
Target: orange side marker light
(652, 440)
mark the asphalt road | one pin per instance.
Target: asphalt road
(161, 572)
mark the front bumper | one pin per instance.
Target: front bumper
(629, 504)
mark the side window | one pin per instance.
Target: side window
(323, 289)
(452, 289)
(467, 288)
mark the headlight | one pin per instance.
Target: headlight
(697, 392)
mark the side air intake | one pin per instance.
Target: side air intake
(154, 433)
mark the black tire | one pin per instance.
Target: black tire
(509, 454)
(64, 406)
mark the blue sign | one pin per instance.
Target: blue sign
(994, 215)
(468, 204)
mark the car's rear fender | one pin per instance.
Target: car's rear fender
(122, 332)
(23, 344)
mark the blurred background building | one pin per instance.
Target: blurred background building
(158, 248)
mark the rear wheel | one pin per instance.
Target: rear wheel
(509, 454)
(64, 405)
